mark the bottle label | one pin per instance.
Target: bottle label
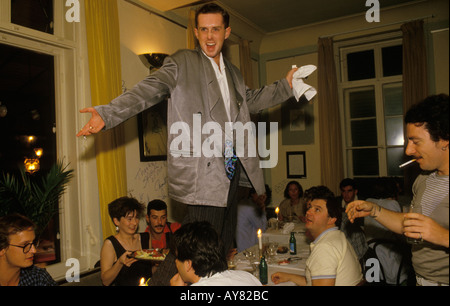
(293, 248)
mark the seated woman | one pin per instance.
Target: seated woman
(117, 268)
(292, 208)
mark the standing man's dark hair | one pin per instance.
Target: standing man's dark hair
(212, 8)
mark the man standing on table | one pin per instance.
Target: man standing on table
(200, 85)
(428, 140)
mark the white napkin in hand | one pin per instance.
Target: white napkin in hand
(288, 227)
(299, 87)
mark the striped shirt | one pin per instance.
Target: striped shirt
(435, 192)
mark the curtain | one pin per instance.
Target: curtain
(102, 27)
(331, 156)
(415, 82)
(191, 39)
(246, 62)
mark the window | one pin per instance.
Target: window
(37, 15)
(53, 68)
(371, 96)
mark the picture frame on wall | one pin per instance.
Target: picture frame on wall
(152, 130)
(296, 164)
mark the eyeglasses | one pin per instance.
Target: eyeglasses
(27, 247)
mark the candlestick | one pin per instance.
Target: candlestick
(259, 239)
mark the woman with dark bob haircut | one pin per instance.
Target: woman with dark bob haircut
(117, 268)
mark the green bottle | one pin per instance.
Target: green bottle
(263, 278)
(293, 244)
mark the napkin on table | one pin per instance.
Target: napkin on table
(288, 227)
(299, 87)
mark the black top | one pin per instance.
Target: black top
(130, 276)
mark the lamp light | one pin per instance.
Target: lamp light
(153, 60)
(31, 165)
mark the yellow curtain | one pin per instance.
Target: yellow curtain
(102, 27)
(331, 157)
(191, 39)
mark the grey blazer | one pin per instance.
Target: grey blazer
(188, 80)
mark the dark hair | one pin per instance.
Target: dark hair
(348, 182)
(156, 205)
(121, 207)
(200, 243)
(268, 194)
(324, 193)
(385, 187)
(13, 224)
(300, 189)
(432, 113)
(212, 8)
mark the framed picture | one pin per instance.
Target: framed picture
(296, 164)
(152, 128)
(297, 122)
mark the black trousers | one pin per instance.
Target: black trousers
(223, 219)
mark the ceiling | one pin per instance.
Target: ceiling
(277, 15)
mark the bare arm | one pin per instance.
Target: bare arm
(390, 219)
(110, 267)
(282, 277)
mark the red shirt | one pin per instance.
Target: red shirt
(161, 244)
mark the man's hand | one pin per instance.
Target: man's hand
(290, 76)
(176, 280)
(419, 226)
(358, 209)
(94, 125)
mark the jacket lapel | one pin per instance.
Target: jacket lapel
(215, 101)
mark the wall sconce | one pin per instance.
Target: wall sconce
(153, 60)
(31, 165)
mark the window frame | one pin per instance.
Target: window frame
(342, 48)
(79, 212)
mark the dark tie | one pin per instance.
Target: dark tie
(230, 159)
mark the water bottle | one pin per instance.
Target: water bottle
(292, 244)
(263, 277)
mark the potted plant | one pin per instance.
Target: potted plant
(34, 198)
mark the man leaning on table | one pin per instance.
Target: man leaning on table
(332, 261)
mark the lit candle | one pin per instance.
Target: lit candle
(142, 282)
(259, 239)
(277, 210)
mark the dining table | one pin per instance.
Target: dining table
(275, 248)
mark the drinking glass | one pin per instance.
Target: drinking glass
(412, 209)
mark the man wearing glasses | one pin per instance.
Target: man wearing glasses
(17, 249)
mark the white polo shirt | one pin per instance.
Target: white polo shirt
(332, 256)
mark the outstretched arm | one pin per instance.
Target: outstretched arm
(94, 125)
(390, 219)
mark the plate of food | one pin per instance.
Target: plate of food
(150, 254)
(282, 250)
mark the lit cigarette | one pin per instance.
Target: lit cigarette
(407, 163)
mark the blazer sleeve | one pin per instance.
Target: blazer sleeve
(268, 96)
(152, 90)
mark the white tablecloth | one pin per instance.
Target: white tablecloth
(298, 261)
